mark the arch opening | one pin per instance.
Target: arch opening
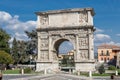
(65, 52)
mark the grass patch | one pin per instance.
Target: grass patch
(84, 73)
(16, 71)
(97, 74)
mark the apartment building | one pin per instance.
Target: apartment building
(107, 52)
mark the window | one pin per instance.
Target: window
(101, 59)
(107, 53)
(104, 59)
(102, 53)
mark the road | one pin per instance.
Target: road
(8, 77)
(51, 77)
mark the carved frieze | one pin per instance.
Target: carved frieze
(63, 32)
(55, 37)
(70, 36)
(83, 30)
(83, 35)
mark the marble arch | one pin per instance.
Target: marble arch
(75, 25)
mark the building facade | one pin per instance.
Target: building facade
(107, 52)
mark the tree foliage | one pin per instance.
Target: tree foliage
(5, 58)
(19, 51)
(101, 69)
(111, 67)
(68, 60)
(32, 43)
(14, 50)
(4, 38)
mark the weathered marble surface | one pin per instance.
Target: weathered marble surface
(74, 25)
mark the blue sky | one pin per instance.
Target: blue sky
(19, 15)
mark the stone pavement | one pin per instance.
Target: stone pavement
(53, 77)
(58, 77)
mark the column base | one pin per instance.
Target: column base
(85, 66)
(46, 65)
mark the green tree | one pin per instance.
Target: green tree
(14, 51)
(5, 58)
(101, 69)
(32, 43)
(4, 38)
(19, 51)
(68, 60)
(23, 56)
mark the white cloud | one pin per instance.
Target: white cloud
(102, 38)
(118, 35)
(99, 30)
(14, 26)
(4, 17)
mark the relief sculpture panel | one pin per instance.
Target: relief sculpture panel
(83, 54)
(83, 43)
(44, 55)
(44, 44)
(44, 20)
(83, 17)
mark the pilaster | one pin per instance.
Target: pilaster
(77, 48)
(50, 49)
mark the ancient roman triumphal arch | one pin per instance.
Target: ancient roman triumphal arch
(74, 25)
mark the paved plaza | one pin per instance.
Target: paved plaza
(52, 77)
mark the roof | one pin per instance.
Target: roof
(65, 11)
(109, 46)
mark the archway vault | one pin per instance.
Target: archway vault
(58, 43)
(74, 25)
